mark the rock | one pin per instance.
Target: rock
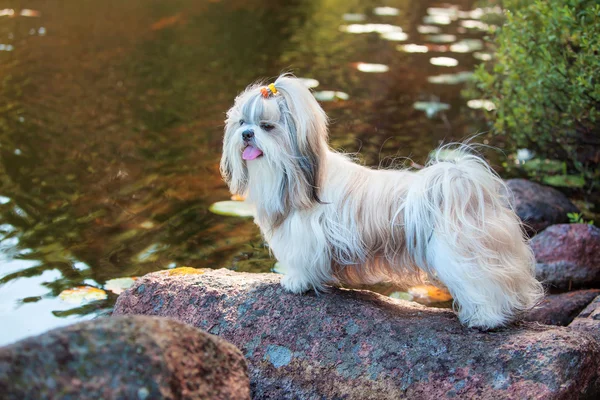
(123, 358)
(348, 344)
(568, 256)
(561, 309)
(539, 206)
(589, 319)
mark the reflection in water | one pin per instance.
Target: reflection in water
(112, 117)
(444, 61)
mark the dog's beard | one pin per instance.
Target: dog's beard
(279, 168)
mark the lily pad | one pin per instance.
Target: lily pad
(482, 56)
(412, 48)
(386, 11)
(330, 95)
(232, 208)
(401, 296)
(428, 29)
(394, 36)
(370, 28)
(82, 294)
(119, 285)
(309, 82)
(279, 268)
(443, 38)
(372, 68)
(354, 17)
(444, 61)
(451, 79)
(477, 104)
(437, 19)
(431, 108)
(466, 46)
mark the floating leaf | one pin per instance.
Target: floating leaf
(386, 11)
(354, 17)
(394, 36)
(330, 95)
(428, 294)
(437, 19)
(444, 38)
(451, 79)
(309, 82)
(370, 28)
(401, 296)
(186, 271)
(82, 294)
(482, 56)
(372, 68)
(119, 285)
(425, 29)
(279, 268)
(444, 61)
(413, 48)
(431, 108)
(473, 24)
(232, 208)
(477, 104)
(466, 46)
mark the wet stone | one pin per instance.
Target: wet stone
(134, 357)
(539, 206)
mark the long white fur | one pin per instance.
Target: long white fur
(330, 220)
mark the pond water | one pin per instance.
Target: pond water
(111, 118)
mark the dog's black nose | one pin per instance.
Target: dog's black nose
(247, 135)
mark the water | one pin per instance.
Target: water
(111, 117)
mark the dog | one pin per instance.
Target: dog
(330, 221)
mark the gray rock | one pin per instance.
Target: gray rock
(561, 309)
(568, 256)
(589, 319)
(361, 345)
(123, 358)
(539, 206)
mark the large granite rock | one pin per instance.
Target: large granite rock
(348, 344)
(539, 206)
(561, 309)
(123, 358)
(568, 256)
(589, 319)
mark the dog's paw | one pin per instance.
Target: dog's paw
(295, 284)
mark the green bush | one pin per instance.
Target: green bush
(545, 80)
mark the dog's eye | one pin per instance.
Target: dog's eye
(242, 122)
(266, 127)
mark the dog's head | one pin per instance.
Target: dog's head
(275, 140)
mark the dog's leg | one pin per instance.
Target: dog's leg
(490, 282)
(302, 251)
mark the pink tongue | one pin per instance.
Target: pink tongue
(250, 153)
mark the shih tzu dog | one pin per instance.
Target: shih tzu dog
(329, 220)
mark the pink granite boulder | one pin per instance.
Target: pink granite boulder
(568, 256)
(132, 357)
(347, 344)
(589, 319)
(539, 206)
(561, 309)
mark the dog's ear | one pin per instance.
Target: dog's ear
(233, 169)
(307, 123)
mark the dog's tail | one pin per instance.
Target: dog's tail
(462, 231)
